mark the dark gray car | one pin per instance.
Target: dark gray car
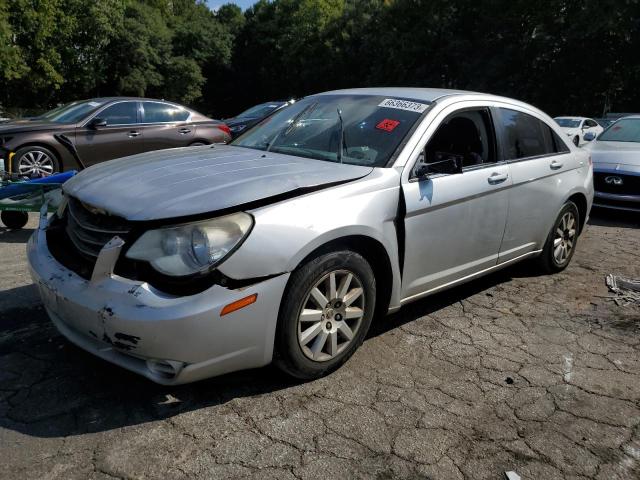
(102, 129)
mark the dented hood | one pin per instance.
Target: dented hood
(195, 180)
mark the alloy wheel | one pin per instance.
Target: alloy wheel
(35, 162)
(564, 238)
(331, 315)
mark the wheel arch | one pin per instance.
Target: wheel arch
(580, 200)
(52, 148)
(376, 255)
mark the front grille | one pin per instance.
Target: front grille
(88, 231)
(630, 183)
(75, 240)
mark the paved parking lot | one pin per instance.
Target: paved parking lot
(516, 371)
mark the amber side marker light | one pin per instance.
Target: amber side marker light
(238, 304)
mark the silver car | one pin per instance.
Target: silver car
(281, 247)
(616, 165)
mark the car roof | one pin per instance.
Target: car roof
(424, 94)
(111, 99)
(571, 118)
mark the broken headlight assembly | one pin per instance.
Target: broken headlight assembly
(191, 248)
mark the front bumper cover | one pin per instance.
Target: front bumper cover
(168, 339)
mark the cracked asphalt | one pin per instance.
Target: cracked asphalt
(536, 374)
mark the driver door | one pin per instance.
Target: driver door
(454, 222)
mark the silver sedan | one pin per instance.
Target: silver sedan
(285, 245)
(616, 165)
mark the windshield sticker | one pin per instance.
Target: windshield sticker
(404, 105)
(387, 125)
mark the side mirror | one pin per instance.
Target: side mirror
(446, 163)
(589, 136)
(97, 123)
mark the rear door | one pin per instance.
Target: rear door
(454, 222)
(542, 165)
(165, 125)
(119, 138)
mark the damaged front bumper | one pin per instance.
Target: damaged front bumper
(170, 340)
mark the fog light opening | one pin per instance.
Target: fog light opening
(165, 368)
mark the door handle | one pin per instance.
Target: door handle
(497, 178)
(555, 165)
(184, 131)
(133, 133)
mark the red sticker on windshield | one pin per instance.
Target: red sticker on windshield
(387, 125)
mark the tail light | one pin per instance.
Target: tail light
(224, 128)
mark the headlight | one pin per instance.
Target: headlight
(193, 247)
(237, 128)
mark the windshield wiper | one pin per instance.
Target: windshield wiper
(287, 130)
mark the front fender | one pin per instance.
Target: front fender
(287, 232)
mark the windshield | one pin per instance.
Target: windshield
(355, 129)
(567, 122)
(625, 130)
(259, 111)
(71, 112)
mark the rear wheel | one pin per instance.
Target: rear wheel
(34, 160)
(561, 242)
(325, 314)
(14, 220)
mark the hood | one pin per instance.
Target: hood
(195, 180)
(25, 125)
(609, 154)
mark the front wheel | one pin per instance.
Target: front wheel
(576, 141)
(34, 161)
(561, 242)
(325, 314)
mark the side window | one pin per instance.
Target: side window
(525, 136)
(466, 136)
(123, 113)
(591, 123)
(559, 146)
(156, 112)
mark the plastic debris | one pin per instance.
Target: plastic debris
(511, 475)
(627, 290)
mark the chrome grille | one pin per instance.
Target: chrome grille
(89, 231)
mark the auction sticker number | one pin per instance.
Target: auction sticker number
(403, 105)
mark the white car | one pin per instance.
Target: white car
(577, 127)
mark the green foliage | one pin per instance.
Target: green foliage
(566, 56)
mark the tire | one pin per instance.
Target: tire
(326, 345)
(576, 141)
(34, 158)
(550, 261)
(14, 220)
(197, 144)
